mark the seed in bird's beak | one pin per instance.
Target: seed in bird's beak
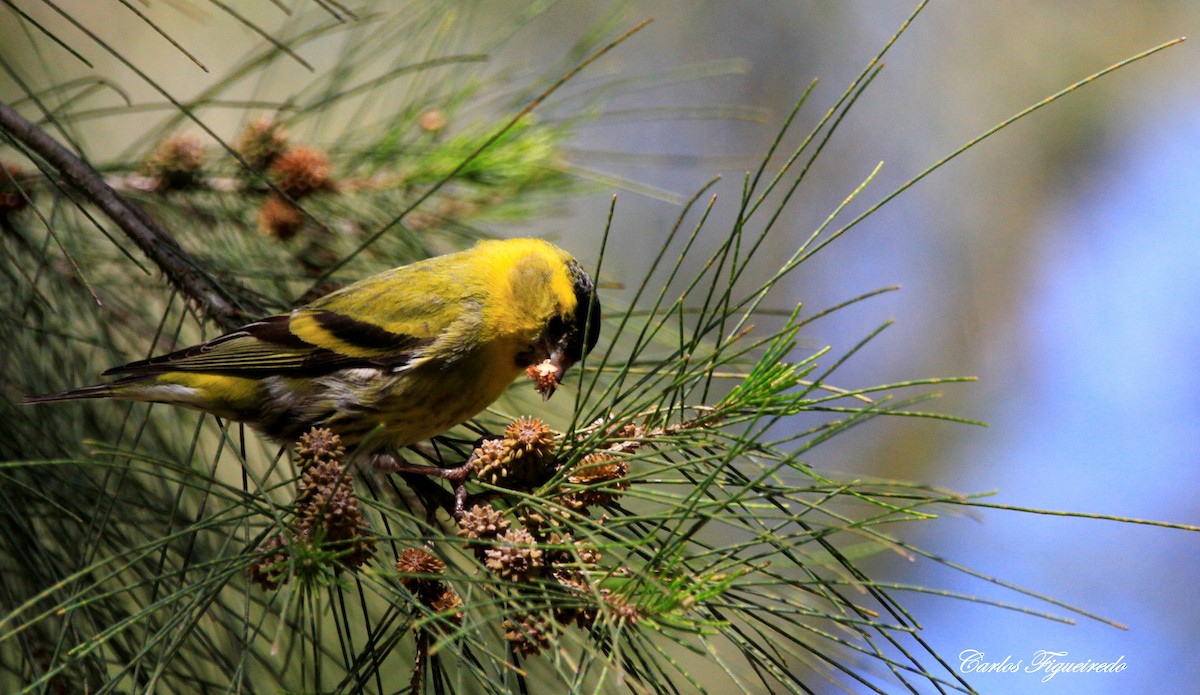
(546, 375)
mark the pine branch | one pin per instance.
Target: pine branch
(224, 302)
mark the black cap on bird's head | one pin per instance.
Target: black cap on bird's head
(587, 314)
(571, 337)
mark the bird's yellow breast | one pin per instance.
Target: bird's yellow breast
(431, 398)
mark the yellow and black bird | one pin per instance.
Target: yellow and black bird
(395, 358)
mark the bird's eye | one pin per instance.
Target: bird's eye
(555, 329)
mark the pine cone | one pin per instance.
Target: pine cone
(536, 522)
(326, 506)
(280, 219)
(518, 461)
(572, 553)
(528, 634)
(11, 200)
(302, 170)
(449, 602)
(488, 460)
(261, 142)
(624, 611)
(319, 444)
(432, 120)
(421, 562)
(605, 477)
(177, 163)
(631, 433)
(482, 523)
(530, 435)
(271, 568)
(582, 608)
(545, 377)
(516, 557)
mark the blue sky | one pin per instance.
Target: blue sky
(1104, 418)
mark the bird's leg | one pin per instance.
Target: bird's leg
(431, 495)
(385, 462)
(391, 463)
(460, 501)
(457, 475)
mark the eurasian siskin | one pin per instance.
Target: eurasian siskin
(393, 359)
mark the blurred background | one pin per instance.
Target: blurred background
(1058, 262)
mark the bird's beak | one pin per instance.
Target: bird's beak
(561, 363)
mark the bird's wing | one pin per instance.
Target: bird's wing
(434, 307)
(388, 321)
(270, 347)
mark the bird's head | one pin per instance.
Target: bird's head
(560, 295)
(570, 333)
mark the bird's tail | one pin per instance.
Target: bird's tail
(97, 391)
